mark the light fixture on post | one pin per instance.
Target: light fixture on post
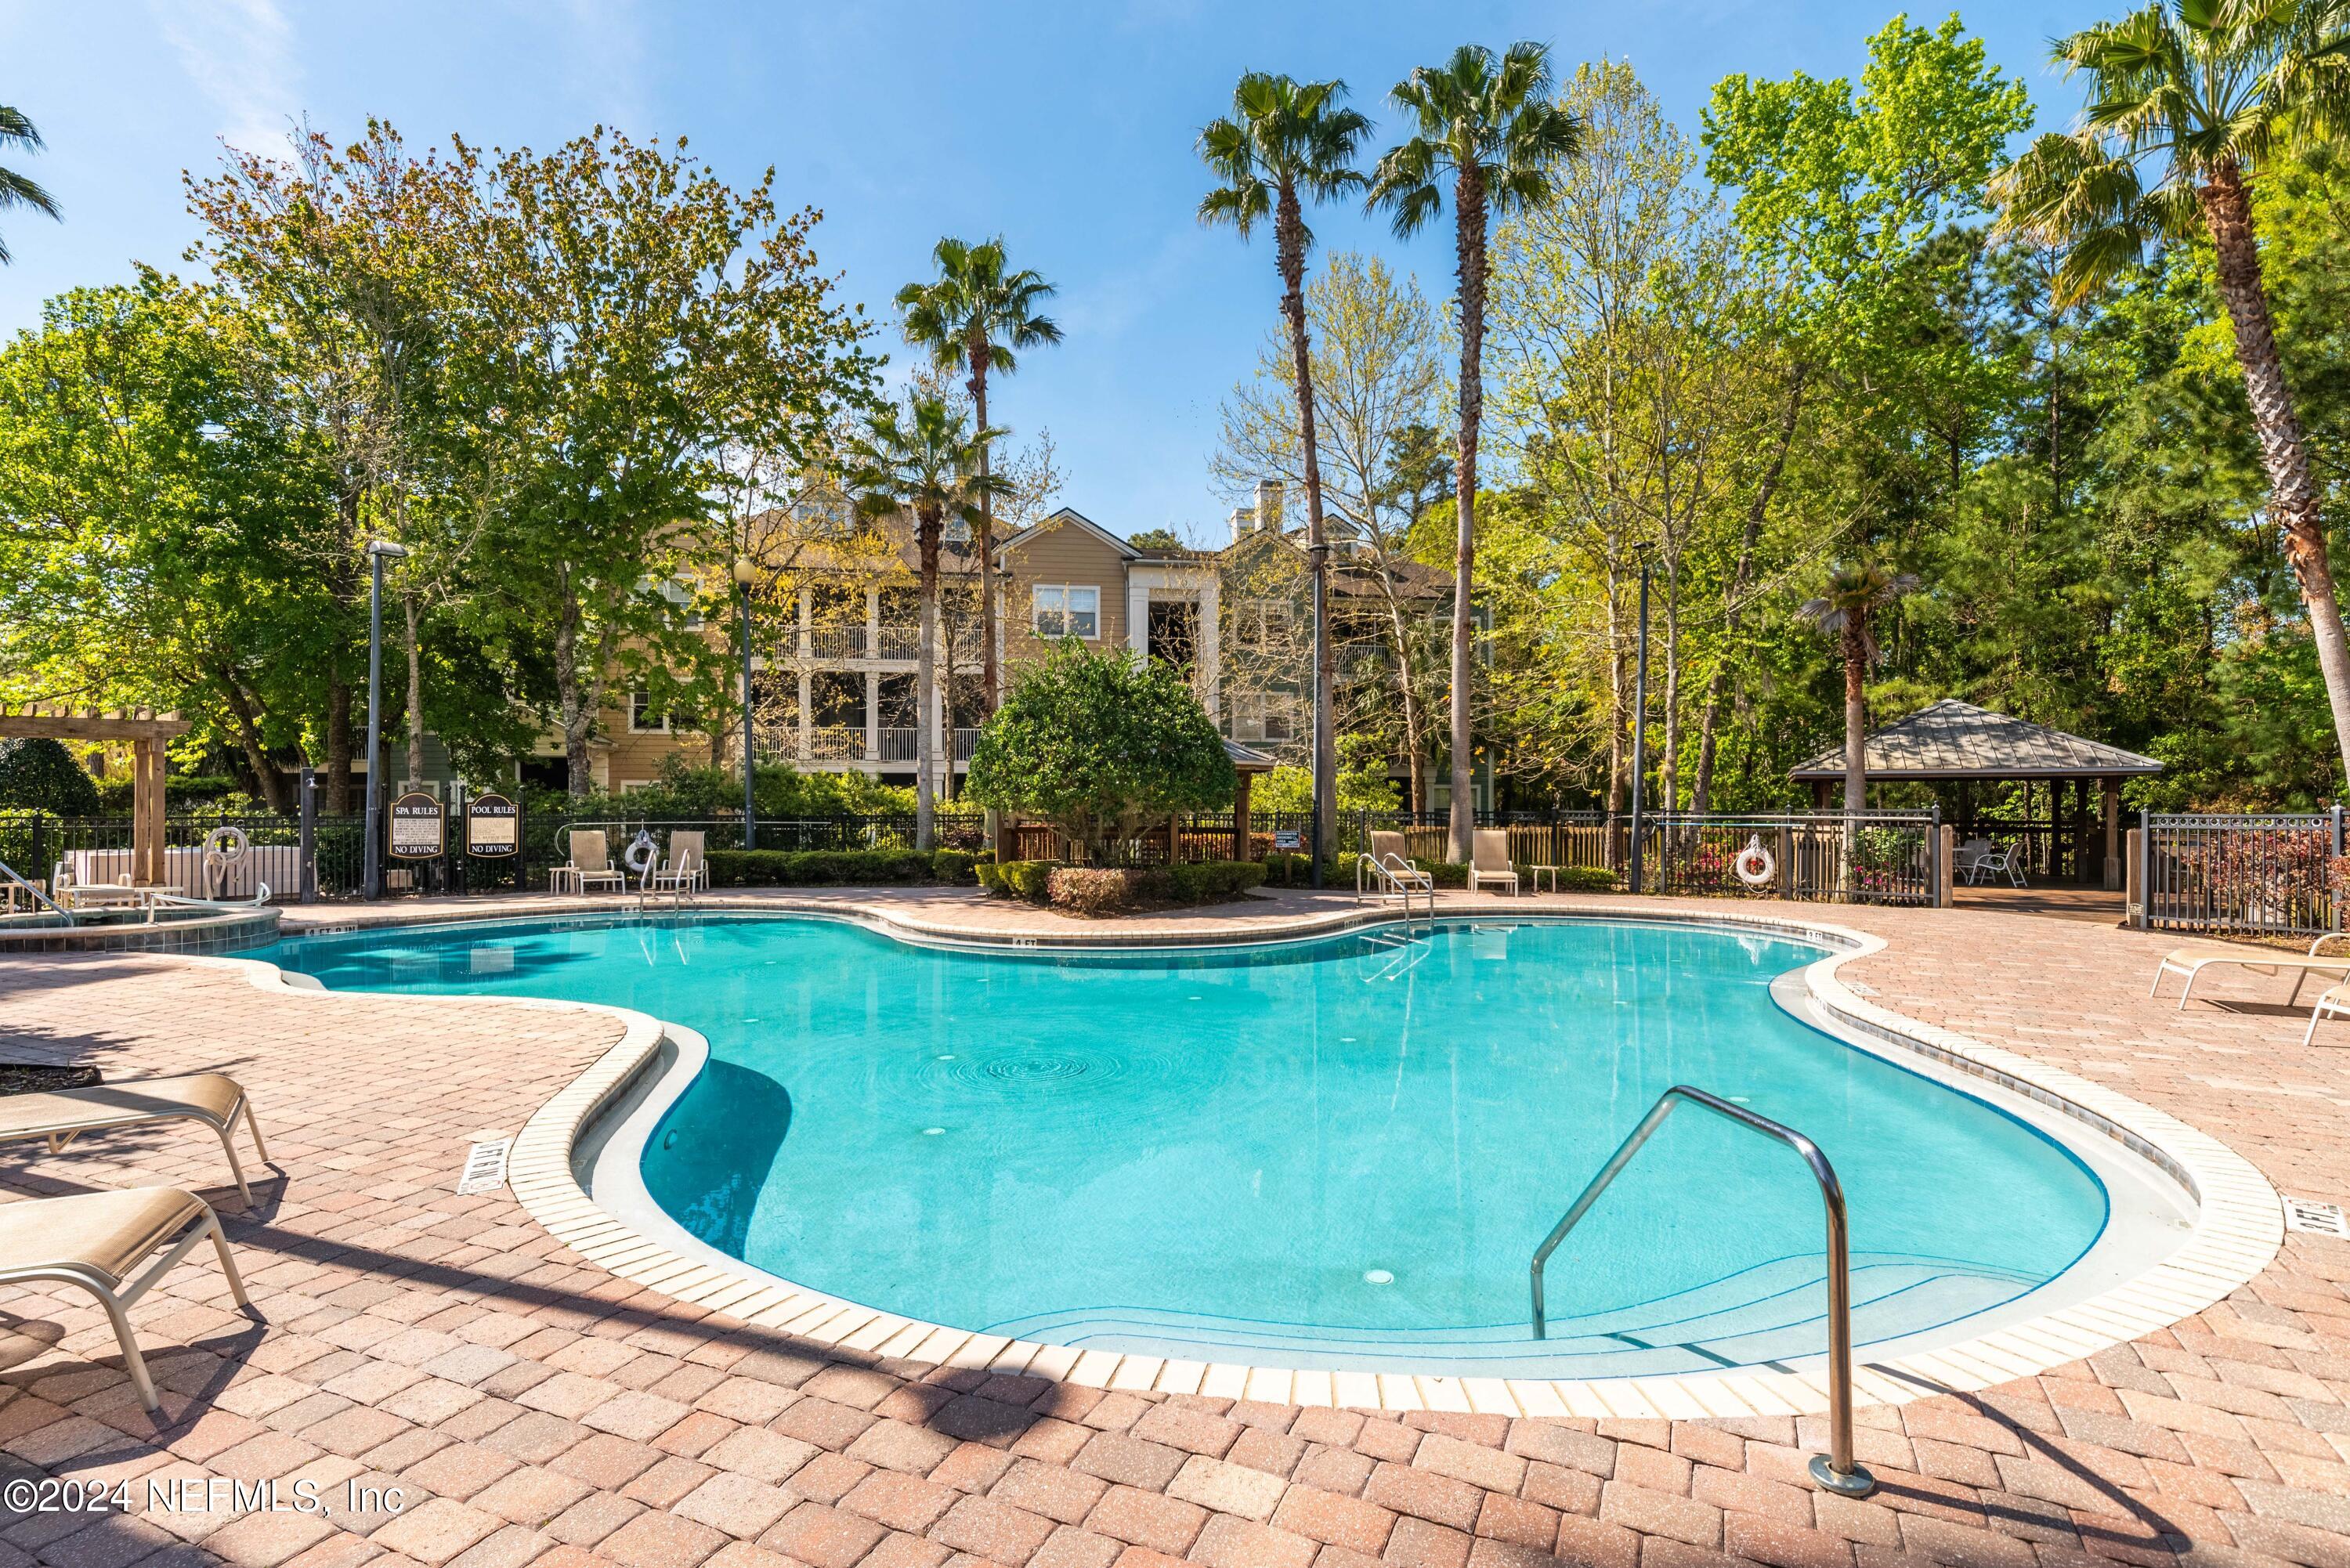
(379, 551)
(744, 573)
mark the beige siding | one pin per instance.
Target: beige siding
(1063, 554)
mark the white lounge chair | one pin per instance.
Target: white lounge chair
(2334, 1003)
(1488, 859)
(61, 1116)
(686, 870)
(2194, 957)
(590, 865)
(97, 1241)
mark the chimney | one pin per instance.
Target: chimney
(1268, 503)
(1243, 519)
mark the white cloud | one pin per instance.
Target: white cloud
(239, 55)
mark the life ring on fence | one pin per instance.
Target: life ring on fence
(1755, 866)
(642, 853)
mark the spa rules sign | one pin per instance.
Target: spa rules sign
(416, 826)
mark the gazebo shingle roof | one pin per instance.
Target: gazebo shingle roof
(1953, 740)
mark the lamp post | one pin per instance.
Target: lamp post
(743, 572)
(1639, 725)
(371, 875)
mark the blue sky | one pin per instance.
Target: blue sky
(1068, 129)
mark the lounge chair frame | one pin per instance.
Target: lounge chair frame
(61, 1135)
(2192, 962)
(118, 1300)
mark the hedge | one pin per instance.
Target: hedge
(1095, 890)
(846, 867)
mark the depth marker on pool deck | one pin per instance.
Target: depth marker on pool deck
(2317, 1218)
(485, 1167)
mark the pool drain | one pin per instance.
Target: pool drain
(1378, 1277)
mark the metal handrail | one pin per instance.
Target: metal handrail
(38, 896)
(1399, 881)
(1835, 1471)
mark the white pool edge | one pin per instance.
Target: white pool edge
(2240, 1226)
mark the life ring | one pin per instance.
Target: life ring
(1755, 866)
(228, 842)
(642, 853)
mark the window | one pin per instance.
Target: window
(1063, 610)
(957, 531)
(1256, 717)
(644, 718)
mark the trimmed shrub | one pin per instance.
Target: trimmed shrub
(1582, 879)
(1287, 870)
(954, 867)
(1446, 873)
(1026, 879)
(1094, 891)
(817, 868)
(38, 774)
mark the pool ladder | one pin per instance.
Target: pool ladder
(1835, 1471)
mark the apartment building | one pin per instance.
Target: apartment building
(834, 660)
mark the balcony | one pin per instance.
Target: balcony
(835, 744)
(842, 743)
(899, 641)
(836, 641)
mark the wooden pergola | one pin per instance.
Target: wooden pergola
(1960, 745)
(1247, 762)
(147, 731)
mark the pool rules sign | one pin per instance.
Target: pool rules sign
(493, 826)
(415, 826)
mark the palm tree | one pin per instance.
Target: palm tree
(921, 459)
(973, 315)
(1489, 123)
(1856, 590)
(18, 190)
(1282, 139)
(2189, 101)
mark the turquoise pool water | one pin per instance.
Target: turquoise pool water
(1336, 1154)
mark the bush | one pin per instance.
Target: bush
(1092, 892)
(953, 867)
(821, 867)
(1580, 879)
(1445, 873)
(685, 793)
(1285, 869)
(1026, 879)
(1097, 744)
(40, 775)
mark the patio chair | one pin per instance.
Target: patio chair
(97, 1239)
(1391, 873)
(1998, 859)
(2194, 957)
(61, 1116)
(2334, 1003)
(590, 865)
(1488, 859)
(686, 870)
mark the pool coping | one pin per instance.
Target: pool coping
(2239, 1225)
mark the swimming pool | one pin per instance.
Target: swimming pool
(1332, 1154)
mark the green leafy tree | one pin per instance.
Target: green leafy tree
(921, 461)
(1284, 142)
(2191, 101)
(1847, 611)
(40, 775)
(1489, 123)
(972, 317)
(19, 190)
(159, 519)
(1099, 744)
(625, 307)
(1150, 539)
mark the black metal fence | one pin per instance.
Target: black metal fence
(1876, 856)
(2276, 873)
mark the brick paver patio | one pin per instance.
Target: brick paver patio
(531, 1407)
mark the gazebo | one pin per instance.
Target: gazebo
(148, 733)
(1958, 745)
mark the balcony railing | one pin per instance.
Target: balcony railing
(900, 642)
(836, 743)
(966, 741)
(836, 641)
